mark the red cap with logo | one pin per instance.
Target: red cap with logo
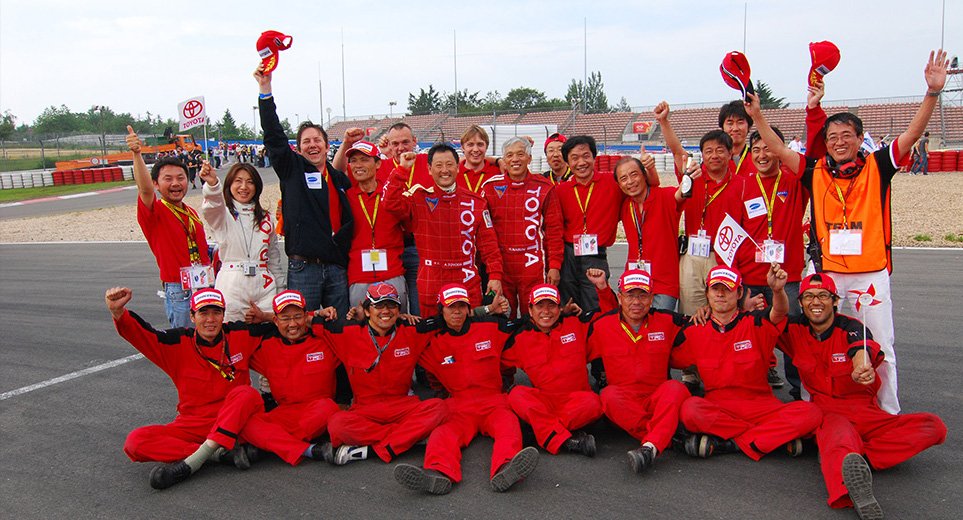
(552, 138)
(382, 291)
(269, 45)
(635, 279)
(825, 57)
(206, 297)
(544, 291)
(285, 298)
(452, 294)
(818, 281)
(724, 275)
(735, 72)
(364, 147)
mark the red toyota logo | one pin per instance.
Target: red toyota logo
(725, 237)
(192, 108)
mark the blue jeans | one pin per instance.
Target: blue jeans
(664, 302)
(322, 285)
(409, 259)
(177, 303)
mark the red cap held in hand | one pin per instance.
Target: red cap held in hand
(735, 72)
(825, 57)
(269, 45)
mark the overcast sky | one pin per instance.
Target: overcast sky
(144, 56)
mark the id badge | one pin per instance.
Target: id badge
(313, 180)
(771, 251)
(197, 277)
(374, 260)
(845, 242)
(700, 245)
(641, 265)
(586, 245)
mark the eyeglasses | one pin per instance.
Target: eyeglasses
(822, 297)
(386, 304)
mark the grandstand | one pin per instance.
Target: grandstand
(880, 117)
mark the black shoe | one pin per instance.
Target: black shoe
(858, 479)
(166, 475)
(240, 457)
(641, 458)
(323, 452)
(521, 466)
(580, 442)
(703, 445)
(425, 480)
(773, 379)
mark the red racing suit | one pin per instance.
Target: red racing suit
(467, 363)
(733, 361)
(383, 414)
(561, 400)
(853, 422)
(447, 227)
(528, 223)
(639, 397)
(303, 383)
(206, 407)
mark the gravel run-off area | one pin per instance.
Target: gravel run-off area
(929, 205)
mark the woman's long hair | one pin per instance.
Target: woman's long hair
(259, 212)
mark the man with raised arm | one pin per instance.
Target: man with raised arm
(528, 223)
(317, 217)
(851, 209)
(173, 231)
(449, 223)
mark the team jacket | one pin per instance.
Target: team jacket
(299, 372)
(825, 360)
(467, 363)
(306, 211)
(447, 226)
(468, 178)
(637, 361)
(527, 219)
(374, 228)
(555, 361)
(377, 377)
(733, 362)
(181, 355)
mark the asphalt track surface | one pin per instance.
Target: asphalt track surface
(61, 445)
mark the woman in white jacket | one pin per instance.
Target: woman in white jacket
(248, 246)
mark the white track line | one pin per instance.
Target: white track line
(68, 377)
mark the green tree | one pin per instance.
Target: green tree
(766, 97)
(7, 125)
(57, 120)
(592, 96)
(467, 102)
(491, 102)
(425, 103)
(623, 106)
(288, 131)
(228, 127)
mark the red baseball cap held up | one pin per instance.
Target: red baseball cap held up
(269, 45)
(735, 72)
(825, 57)
(818, 281)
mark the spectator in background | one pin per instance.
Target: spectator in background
(795, 145)
(924, 150)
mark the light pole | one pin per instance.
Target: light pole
(391, 109)
(329, 117)
(254, 121)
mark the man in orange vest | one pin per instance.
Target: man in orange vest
(851, 212)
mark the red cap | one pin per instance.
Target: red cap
(552, 138)
(825, 57)
(818, 281)
(382, 291)
(724, 275)
(544, 291)
(285, 298)
(635, 279)
(364, 147)
(735, 72)
(206, 297)
(269, 45)
(453, 293)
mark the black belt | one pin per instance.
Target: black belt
(307, 259)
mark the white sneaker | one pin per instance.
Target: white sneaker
(347, 453)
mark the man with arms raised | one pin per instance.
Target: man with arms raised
(851, 211)
(173, 231)
(528, 222)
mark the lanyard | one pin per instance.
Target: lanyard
(639, 222)
(708, 200)
(187, 220)
(374, 341)
(745, 152)
(584, 208)
(771, 201)
(842, 198)
(481, 177)
(411, 174)
(628, 331)
(373, 216)
(229, 374)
